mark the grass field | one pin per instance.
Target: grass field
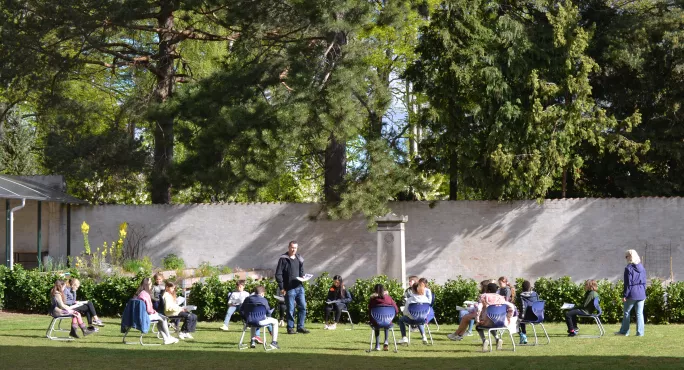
(23, 346)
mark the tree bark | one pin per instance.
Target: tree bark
(453, 175)
(163, 125)
(335, 169)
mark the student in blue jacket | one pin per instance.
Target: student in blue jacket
(257, 299)
(633, 293)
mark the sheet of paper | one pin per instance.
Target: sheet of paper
(331, 302)
(190, 308)
(469, 303)
(567, 306)
(279, 298)
(305, 278)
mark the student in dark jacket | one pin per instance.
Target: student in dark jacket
(86, 309)
(633, 293)
(290, 267)
(340, 297)
(527, 297)
(377, 299)
(257, 299)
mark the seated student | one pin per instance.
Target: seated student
(527, 297)
(473, 308)
(380, 298)
(258, 299)
(157, 290)
(428, 292)
(143, 294)
(416, 295)
(586, 308)
(340, 296)
(171, 308)
(235, 299)
(506, 289)
(85, 309)
(59, 308)
(485, 300)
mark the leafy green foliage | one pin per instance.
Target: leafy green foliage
(142, 265)
(172, 262)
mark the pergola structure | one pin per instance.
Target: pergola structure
(15, 187)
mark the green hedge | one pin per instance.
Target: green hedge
(28, 290)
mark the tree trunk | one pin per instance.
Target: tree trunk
(163, 125)
(453, 175)
(335, 169)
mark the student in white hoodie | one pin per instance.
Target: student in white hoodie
(235, 300)
(415, 295)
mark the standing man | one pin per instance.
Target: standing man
(290, 267)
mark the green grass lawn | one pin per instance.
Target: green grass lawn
(23, 346)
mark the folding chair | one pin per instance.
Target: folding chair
(383, 316)
(534, 316)
(253, 315)
(57, 320)
(497, 314)
(419, 312)
(350, 319)
(595, 316)
(431, 313)
(135, 316)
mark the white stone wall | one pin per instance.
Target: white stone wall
(582, 238)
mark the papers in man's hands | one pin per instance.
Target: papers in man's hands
(279, 298)
(567, 306)
(305, 278)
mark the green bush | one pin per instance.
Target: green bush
(675, 302)
(28, 291)
(138, 265)
(655, 310)
(173, 262)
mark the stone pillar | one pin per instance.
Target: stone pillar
(392, 247)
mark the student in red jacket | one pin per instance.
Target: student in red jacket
(380, 298)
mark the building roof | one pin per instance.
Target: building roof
(14, 187)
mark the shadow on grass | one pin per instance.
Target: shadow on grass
(121, 356)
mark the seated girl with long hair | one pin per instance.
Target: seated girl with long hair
(60, 308)
(143, 294)
(171, 308)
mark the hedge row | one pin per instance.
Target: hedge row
(28, 290)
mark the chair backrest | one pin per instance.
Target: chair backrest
(135, 316)
(497, 314)
(535, 312)
(419, 311)
(383, 315)
(254, 313)
(597, 306)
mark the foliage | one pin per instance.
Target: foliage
(138, 265)
(172, 262)
(18, 146)
(206, 269)
(555, 293)
(655, 307)
(86, 243)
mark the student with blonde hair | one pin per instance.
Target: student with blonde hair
(633, 293)
(172, 308)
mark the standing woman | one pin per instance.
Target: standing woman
(634, 293)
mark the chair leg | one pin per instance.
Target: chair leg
(395, 340)
(370, 348)
(427, 327)
(264, 329)
(548, 340)
(436, 323)
(489, 338)
(240, 345)
(534, 329)
(510, 334)
(350, 320)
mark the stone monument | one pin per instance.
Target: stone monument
(392, 247)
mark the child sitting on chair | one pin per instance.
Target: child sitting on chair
(473, 308)
(506, 289)
(171, 308)
(59, 308)
(235, 300)
(258, 299)
(157, 290)
(380, 298)
(587, 307)
(85, 308)
(337, 300)
(416, 295)
(488, 299)
(527, 297)
(143, 294)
